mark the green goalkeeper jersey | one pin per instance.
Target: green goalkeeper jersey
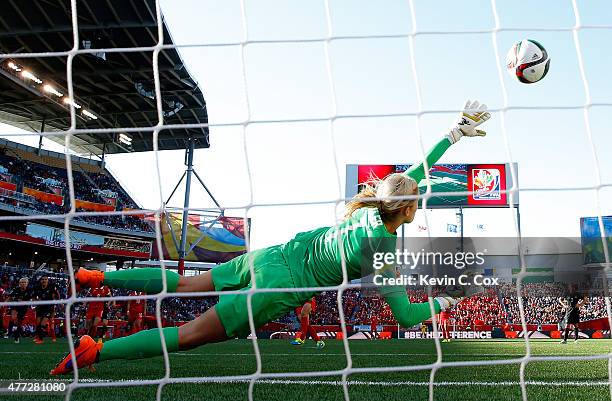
(315, 257)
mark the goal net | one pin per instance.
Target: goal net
(369, 88)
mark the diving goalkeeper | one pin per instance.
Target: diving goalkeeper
(311, 259)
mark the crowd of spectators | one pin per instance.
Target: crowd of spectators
(360, 307)
(173, 309)
(543, 310)
(594, 309)
(541, 303)
(124, 221)
(532, 290)
(538, 310)
(109, 183)
(34, 175)
(99, 188)
(494, 308)
(480, 310)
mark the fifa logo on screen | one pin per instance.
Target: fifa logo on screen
(485, 184)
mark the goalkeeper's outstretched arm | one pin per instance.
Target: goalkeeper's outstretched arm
(406, 313)
(409, 314)
(417, 171)
(472, 116)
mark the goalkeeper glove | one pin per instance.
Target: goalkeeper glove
(451, 295)
(446, 301)
(472, 116)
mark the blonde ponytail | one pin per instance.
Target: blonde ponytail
(361, 200)
(375, 195)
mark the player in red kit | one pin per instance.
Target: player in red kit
(95, 310)
(303, 313)
(374, 324)
(136, 311)
(444, 325)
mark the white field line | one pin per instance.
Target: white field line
(391, 383)
(323, 353)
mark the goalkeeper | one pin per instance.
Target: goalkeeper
(311, 259)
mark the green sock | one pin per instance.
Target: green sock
(144, 344)
(148, 280)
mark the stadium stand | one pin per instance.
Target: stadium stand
(39, 183)
(541, 304)
(495, 308)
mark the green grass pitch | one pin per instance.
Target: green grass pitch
(547, 380)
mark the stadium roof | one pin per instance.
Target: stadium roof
(113, 89)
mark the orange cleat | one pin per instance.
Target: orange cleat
(38, 341)
(86, 350)
(88, 278)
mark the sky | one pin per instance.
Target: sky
(292, 162)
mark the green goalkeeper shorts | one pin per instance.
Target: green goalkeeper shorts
(271, 271)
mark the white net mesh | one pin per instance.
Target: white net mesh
(259, 376)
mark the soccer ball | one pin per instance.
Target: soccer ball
(527, 61)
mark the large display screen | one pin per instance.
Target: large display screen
(486, 183)
(592, 244)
